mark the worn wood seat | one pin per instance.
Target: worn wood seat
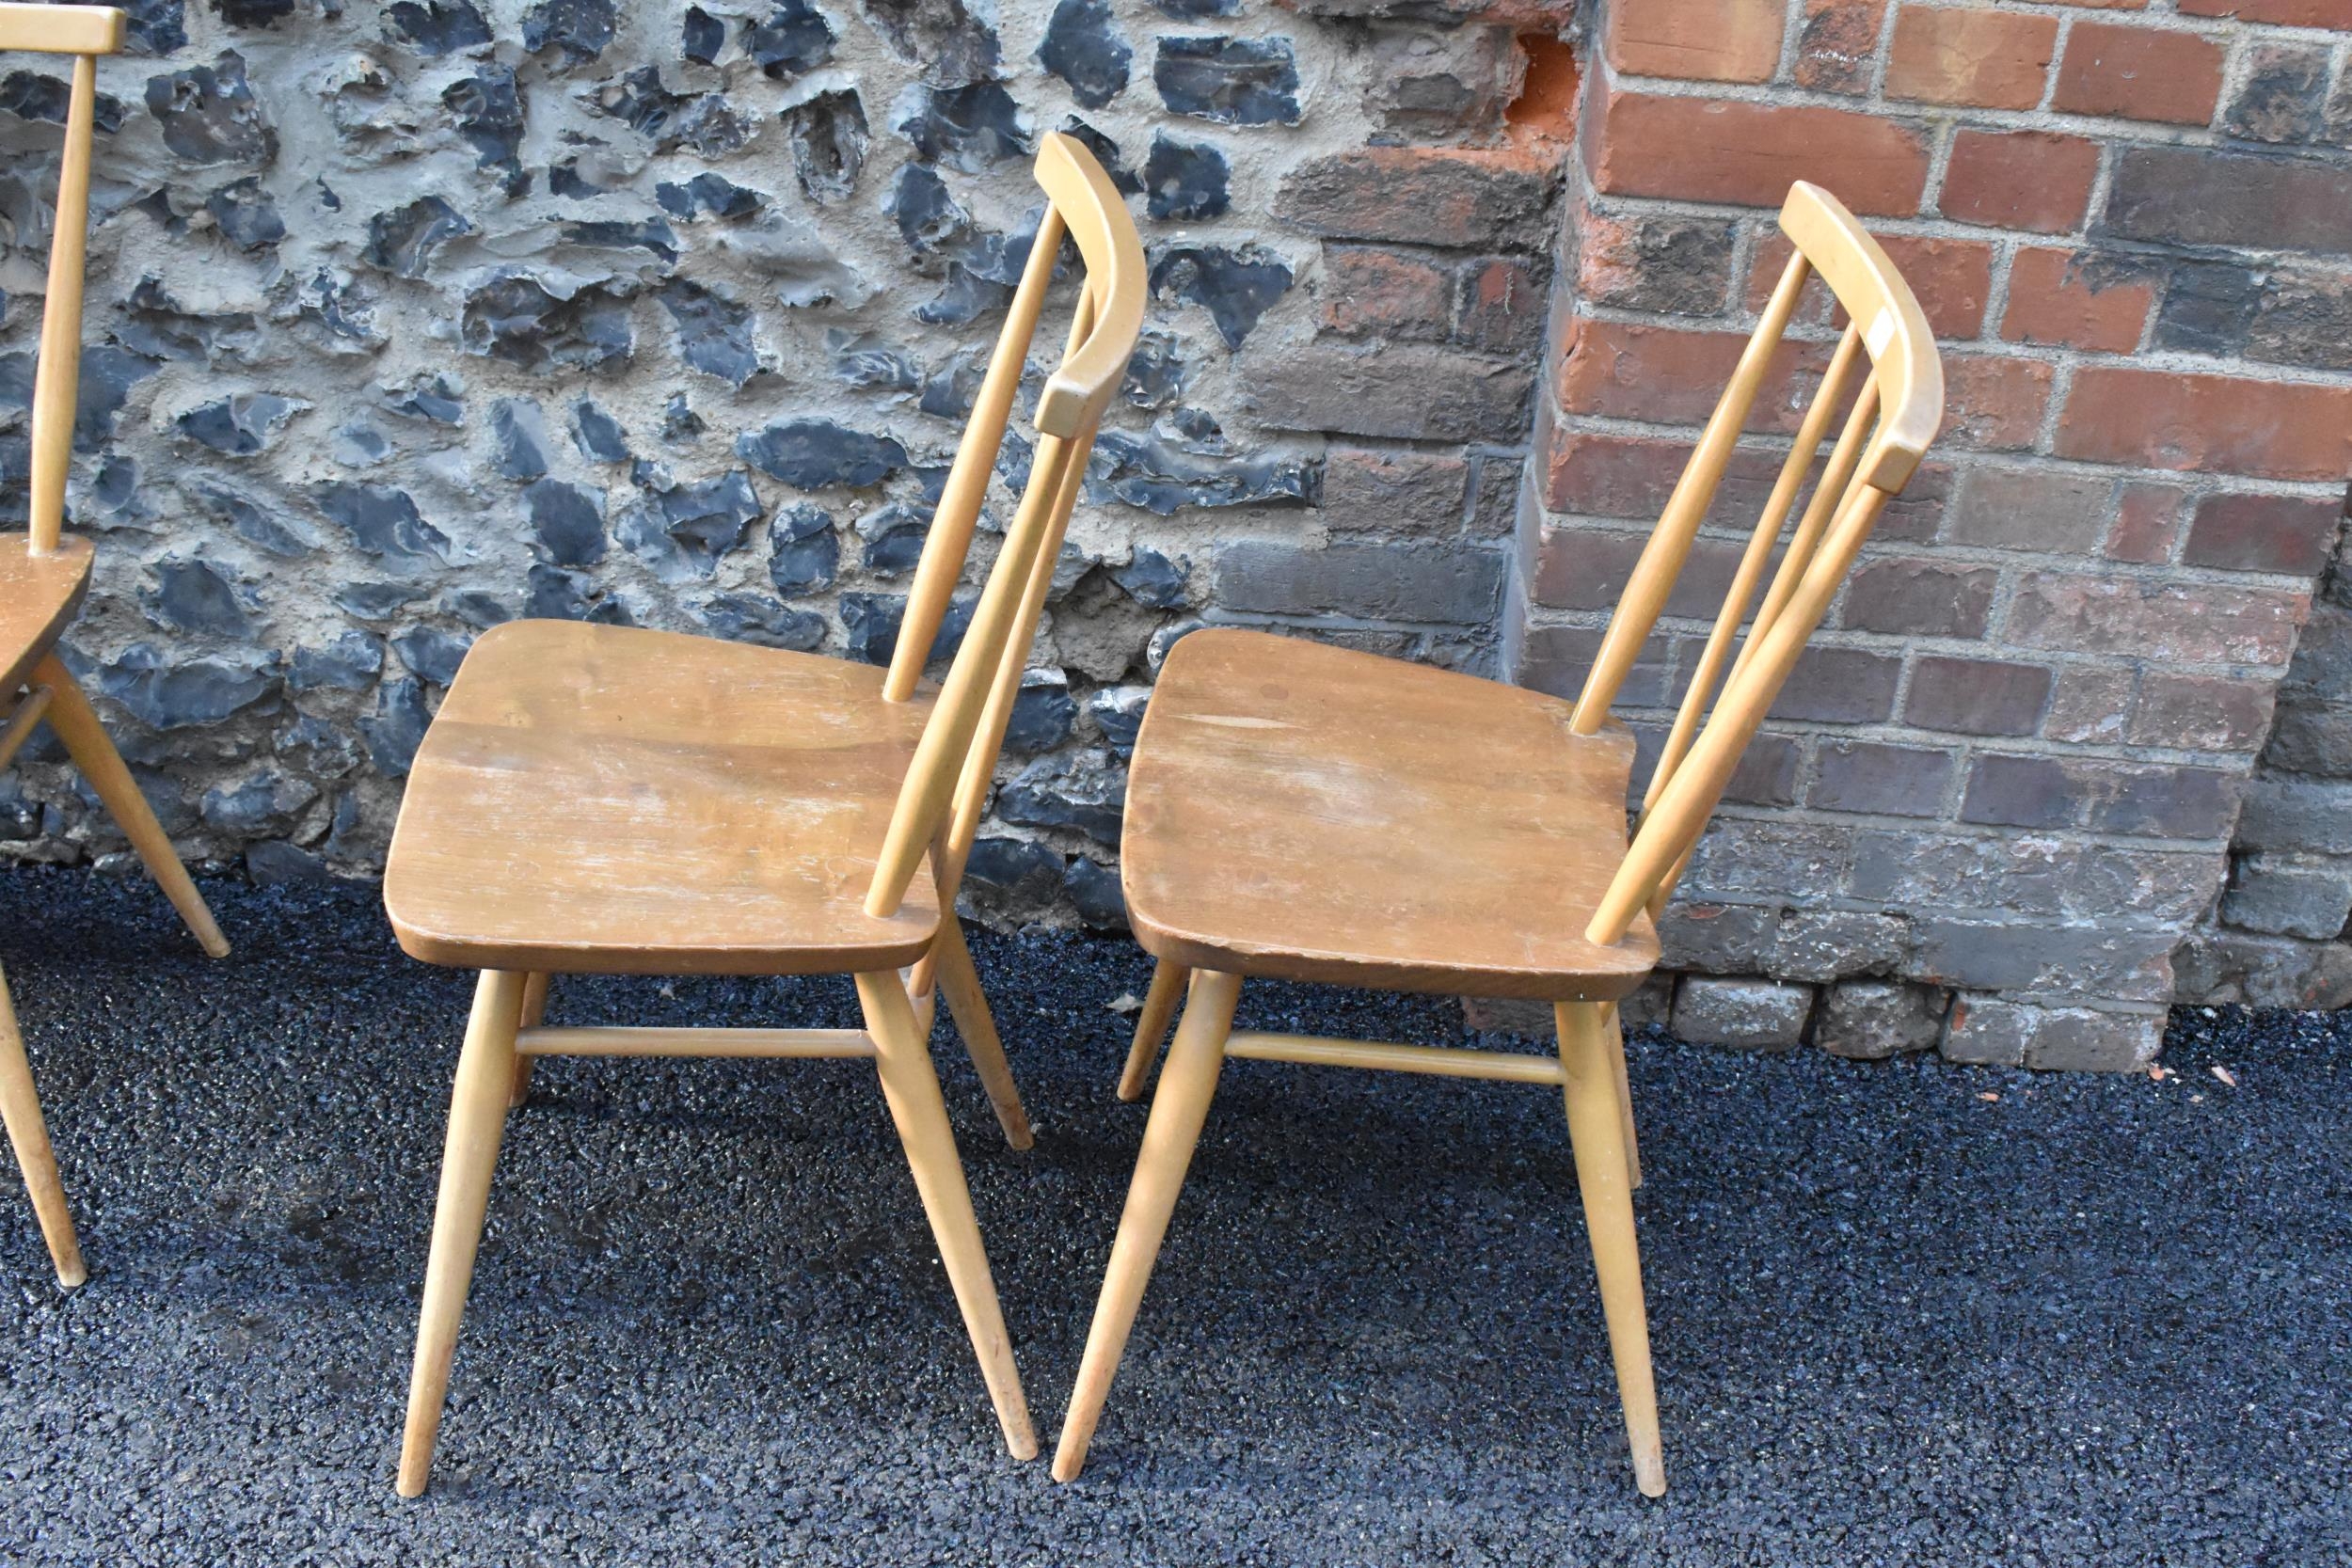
(1297, 811)
(1311, 812)
(608, 800)
(39, 595)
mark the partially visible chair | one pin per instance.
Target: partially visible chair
(43, 577)
(605, 800)
(1308, 813)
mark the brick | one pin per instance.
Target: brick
(2077, 299)
(2264, 533)
(1407, 391)
(1985, 1031)
(1995, 402)
(1368, 291)
(1839, 686)
(2302, 317)
(2162, 801)
(2019, 792)
(2094, 1040)
(2263, 972)
(1458, 198)
(2090, 705)
(2113, 881)
(1977, 57)
(2209, 306)
(2285, 896)
(1836, 45)
(2202, 195)
(1603, 474)
(2166, 622)
(2148, 520)
(1420, 491)
(1777, 858)
(1500, 302)
(1568, 567)
(2288, 811)
(2200, 713)
(1766, 774)
(2283, 97)
(1975, 696)
(1718, 939)
(1748, 1015)
(1695, 41)
(1952, 279)
(1871, 1020)
(1890, 780)
(1676, 375)
(1412, 583)
(1495, 492)
(2035, 180)
(1714, 149)
(2278, 13)
(1556, 659)
(2045, 511)
(2015, 956)
(2015, 874)
(1822, 945)
(2218, 423)
(2311, 738)
(1908, 597)
(1665, 261)
(2138, 73)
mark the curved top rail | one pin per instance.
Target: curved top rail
(60, 30)
(1894, 330)
(1076, 394)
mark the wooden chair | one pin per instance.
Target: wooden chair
(1308, 813)
(43, 577)
(607, 800)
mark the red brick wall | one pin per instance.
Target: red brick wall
(2002, 787)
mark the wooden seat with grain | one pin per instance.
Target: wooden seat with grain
(44, 578)
(1303, 813)
(594, 798)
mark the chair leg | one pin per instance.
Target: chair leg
(1596, 1132)
(20, 1108)
(1178, 1109)
(477, 1118)
(1159, 1005)
(911, 1088)
(534, 1012)
(968, 1005)
(1625, 1100)
(76, 724)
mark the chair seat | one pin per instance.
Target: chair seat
(614, 801)
(1310, 813)
(39, 595)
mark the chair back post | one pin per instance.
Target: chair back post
(84, 32)
(963, 736)
(1895, 414)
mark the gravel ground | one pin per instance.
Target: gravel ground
(1904, 1313)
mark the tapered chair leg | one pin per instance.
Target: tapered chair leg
(477, 1118)
(911, 1088)
(1625, 1099)
(968, 1005)
(1596, 1132)
(76, 724)
(1159, 1005)
(1179, 1110)
(20, 1108)
(534, 1013)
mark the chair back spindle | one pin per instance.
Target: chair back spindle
(947, 786)
(1895, 414)
(84, 32)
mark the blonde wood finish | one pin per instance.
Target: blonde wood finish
(1169, 979)
(968, 1005)
(1596, 1132)
(60, 30)
(605, 800)
(22, 719)
(1442, 1061)
(534, 1013)
(29, 1134)
(76, 724)
(1317, 815)
(477, 1120)
(911, 1088)
(58, 374)
(1180, 1107)
(39, 598)
(1311, 812)
(624, 1041)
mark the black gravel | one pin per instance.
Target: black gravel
(1904, 1313)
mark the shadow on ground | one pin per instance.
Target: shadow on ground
(1904, 1313)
